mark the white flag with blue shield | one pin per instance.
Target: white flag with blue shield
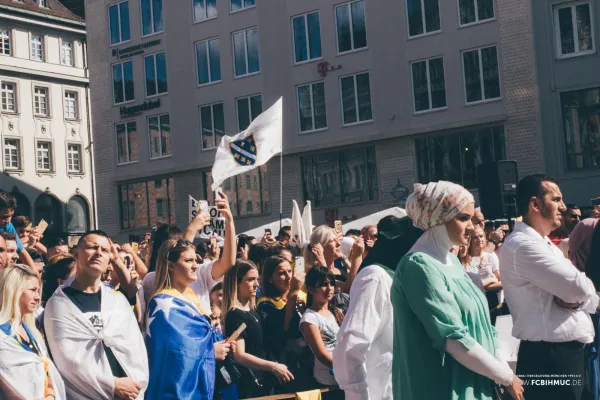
(250, 148)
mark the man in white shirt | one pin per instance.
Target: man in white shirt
(549, 299)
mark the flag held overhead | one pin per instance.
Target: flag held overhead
(251, 148)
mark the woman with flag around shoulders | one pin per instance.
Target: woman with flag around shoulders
(26, 372)
(182, 345)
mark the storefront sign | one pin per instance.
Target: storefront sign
(134, 50)
(148, 105)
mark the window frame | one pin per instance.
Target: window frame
(6, 38)
(337, 42)
(129, 160)
(143, 36)
(15, 92)
(121, 41)
(573, 6)
(312, 101)
(358, 122)
(80, 155)
(430, 109)
(121, 64)
(76, 105)
(20, 159)
(42, 3)
(477, 20)
(158, 116)
(423, 20)
(232, 11)
(306, 31)
(237, 110)
(71, 49)
(245, 52)
(47, 100)
(212, 116)
(51, 158)
(481, 80)
(130, 203)
(206, 44)
(153, 55)
(194, 20)
(41, 45)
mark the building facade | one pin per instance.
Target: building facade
(377, 96)
(45, 128)
(566, 44)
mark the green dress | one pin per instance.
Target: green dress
(432, 303)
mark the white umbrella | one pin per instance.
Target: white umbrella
(307, 220)
(374, 219)
(298, 230)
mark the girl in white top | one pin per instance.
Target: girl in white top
(321, 322)
(481, 262)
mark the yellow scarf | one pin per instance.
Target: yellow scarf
(189, 296)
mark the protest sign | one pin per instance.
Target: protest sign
(217, 223)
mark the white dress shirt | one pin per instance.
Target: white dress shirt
(533, 272)
(362, 358)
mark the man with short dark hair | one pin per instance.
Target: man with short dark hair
(11, 247)
(549, 299)
(8, 205)
(56, 245)
(92, 332)
(284, 235)
(3, 254)
(571, 218)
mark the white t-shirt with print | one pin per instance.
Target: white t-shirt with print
(486, 265)
(329, 329)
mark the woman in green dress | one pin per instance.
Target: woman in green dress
(444, 344)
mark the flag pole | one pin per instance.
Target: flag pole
(281, 188)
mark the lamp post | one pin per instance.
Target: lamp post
(399, 194)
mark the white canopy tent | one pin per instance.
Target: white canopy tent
(373, 219)
(274, 226)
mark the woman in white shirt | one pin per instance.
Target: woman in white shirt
(321, 322)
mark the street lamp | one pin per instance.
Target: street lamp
(399, 194)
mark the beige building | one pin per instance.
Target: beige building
(377, 96)
(45, 127)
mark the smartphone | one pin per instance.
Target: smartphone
(135, 247)
(268, 230)
(338, 226)
(203, 207)
(42, 226)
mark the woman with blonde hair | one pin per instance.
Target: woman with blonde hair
(324, 250)
(25, 369)
(239, 307)
(182, 345)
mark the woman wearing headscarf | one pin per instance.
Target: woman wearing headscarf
(584, 253)
(362, 359)
(444, 344)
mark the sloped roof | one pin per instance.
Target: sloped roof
(55, 8)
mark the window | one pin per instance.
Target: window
(37, 48)
(43, 3)
(212, 125)
(118, 15)
(574, 29)
(49, 209)
(9, 96)
(245, 52)
(429, 86)
(482, 81)
(351, 26)
(40, 101)
(77, 215)
(66, 52)
(340, 177)
(155, 66)
(74, 158)
(237, 5)
(244, 201)
(45, 160)
(581, 126)
(71, 105)
(152, 17)
(455, 157)
(356, 98)
(123, 82)
(204, 9)
(248, 108)
(423, 16)
(472, 11)
(12, 154)
(145, 204)
(159, 128)
(5, 42)
(307, 37)
(127, 150)
(311, 107)
(208, 61)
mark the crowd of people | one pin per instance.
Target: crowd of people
(405, 309)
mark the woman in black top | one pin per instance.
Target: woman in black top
(239, 302)
(280, 309)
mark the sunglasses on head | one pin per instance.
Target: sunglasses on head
(575, 216)
(180, 244)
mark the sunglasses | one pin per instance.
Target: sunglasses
(181, 243)
(575, 216)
